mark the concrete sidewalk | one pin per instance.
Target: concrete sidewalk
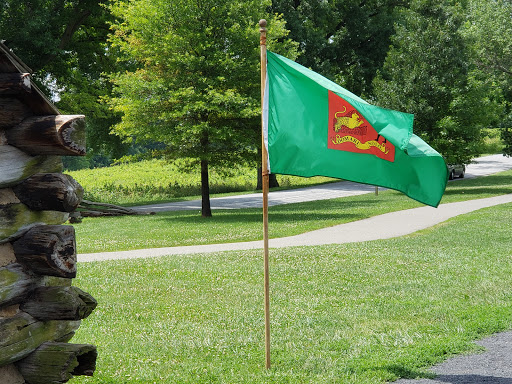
(385, 226)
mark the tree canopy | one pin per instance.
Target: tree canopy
(428, 72)
(196, 83)
(346, 41)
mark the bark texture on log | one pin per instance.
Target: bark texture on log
(14, 83)
(11, 375)
(55, 363)
(16, 219)
(22, 334)
(6, 255)
(15, 284)
(16, 165)
(59, 303)
(12, 112)
(94, 209)
(50, 191)
(39, 310)
(50, 135)
(48, 250)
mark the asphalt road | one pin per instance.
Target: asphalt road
(483, 166)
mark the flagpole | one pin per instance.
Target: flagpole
(264, 184)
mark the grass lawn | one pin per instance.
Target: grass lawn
(154, 181)
(189, 228)
(355, 313)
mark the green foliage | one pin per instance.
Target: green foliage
(360, 313)
(151, 181)
(65, 43)
(345, 41)
(427, 72)
(488, 28)
(197, 84)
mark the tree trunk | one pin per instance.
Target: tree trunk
(206, 210)
(272, 181)
(12, 112)
(14, 83)
(16, 219)
(16, 284)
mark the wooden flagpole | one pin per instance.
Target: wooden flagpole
(264, 183)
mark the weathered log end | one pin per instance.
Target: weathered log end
(58, 363)
(50, 135)
(48, 250)
(50, 191)
(59, 303)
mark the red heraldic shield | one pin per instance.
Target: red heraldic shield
(349, 131)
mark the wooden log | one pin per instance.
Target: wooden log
(55, 363)
(50, 191)
(12, 112)
(22, 334)
(14, 83)
(16, 165)
(95, 209)
(15, 284)
(48, 250)
(11, 375)
(50, 135)
(16, 219)
(6, 255)
(59, 303)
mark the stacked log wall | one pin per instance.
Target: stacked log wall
(40, 310)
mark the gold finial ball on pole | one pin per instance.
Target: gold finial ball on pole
(263, 32)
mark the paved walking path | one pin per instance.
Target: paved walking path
(384, 226)
(494, 366)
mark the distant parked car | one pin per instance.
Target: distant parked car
(456, 170)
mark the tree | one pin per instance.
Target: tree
(197, 86)
(65, 44)
(489, 30)
(346, 41)
(428, 72)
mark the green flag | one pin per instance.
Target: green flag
(314, 127)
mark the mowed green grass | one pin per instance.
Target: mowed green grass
(189, 228)
(153, 181)
(356, 313)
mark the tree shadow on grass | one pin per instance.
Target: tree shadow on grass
(406, 373)
(326, 210)
(473, 379)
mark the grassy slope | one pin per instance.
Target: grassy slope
(189, 228)
(153, 181)
(355, 313)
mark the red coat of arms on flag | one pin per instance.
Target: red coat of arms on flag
(349, 131)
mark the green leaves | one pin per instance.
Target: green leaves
(428, 72)
(197, 74)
